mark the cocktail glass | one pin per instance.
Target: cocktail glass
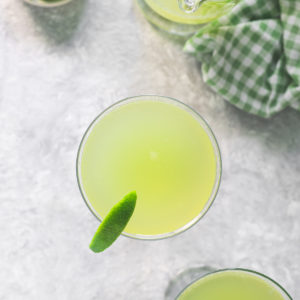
(162, 149)
(184, 17)
(45, 3)
(228, 284)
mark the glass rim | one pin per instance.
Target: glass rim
(207, 130)
(45, 4)
(258, 274)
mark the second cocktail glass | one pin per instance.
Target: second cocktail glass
(226, 284)
(162, 149)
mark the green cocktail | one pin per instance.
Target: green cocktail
(235, 284)
(159, 148)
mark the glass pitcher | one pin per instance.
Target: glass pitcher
(184, 17)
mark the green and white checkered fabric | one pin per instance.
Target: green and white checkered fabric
(252, 55)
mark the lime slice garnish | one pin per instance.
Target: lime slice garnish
(114, 223)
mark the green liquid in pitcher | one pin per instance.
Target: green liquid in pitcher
(209, 10)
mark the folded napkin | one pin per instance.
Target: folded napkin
(252, 55)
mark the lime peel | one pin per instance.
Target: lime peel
(114, 223)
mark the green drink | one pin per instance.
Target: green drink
(168, 16)
(209, 10)
(159, 148)
(235, 284)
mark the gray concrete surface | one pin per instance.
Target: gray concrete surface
(58, 69)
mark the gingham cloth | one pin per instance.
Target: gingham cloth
(252, 55)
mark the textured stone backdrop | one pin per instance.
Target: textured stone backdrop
(58, 69)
